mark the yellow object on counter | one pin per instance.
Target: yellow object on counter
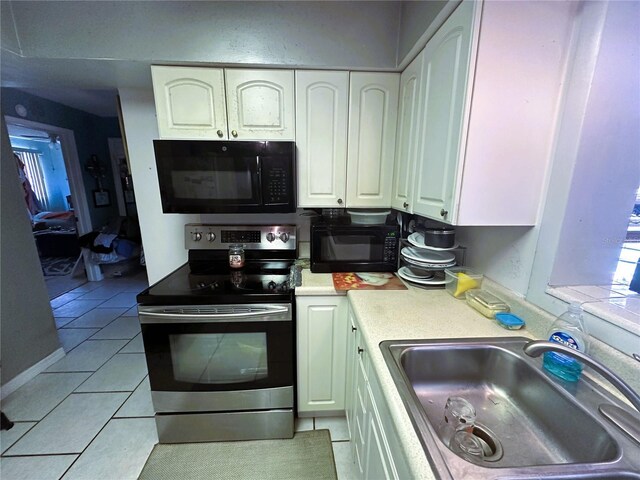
(465, 282)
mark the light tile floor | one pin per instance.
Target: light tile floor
(89, 416)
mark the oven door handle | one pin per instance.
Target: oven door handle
(271, 314)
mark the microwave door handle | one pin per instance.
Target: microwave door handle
(259, 170)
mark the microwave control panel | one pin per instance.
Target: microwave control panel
(390, 253)
(277, 186)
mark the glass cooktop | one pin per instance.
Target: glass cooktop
(217, 283)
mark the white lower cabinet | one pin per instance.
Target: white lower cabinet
(321, 345)
(374, 443)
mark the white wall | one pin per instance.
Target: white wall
(415, 17)
(28, 330)
(162, 235)
(317, 33)
(595, 170)
(504, 254)
(596, 166)
(607, 166)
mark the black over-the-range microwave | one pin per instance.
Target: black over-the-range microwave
(339, 247)
(202, 176)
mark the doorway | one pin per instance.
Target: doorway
(55, 197)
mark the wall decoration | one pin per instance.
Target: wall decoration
(101, 198)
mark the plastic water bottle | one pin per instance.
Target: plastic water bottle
(567, 330)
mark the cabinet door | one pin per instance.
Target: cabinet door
(377, 463)
(321, 139)
(190, 102)
(407, 138)
(260, 104)
(373, 115)
(358, 441)
(350, 388)
(322, 326)
(444, 92)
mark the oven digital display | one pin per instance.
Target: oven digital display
(236, 236)
(219, 358)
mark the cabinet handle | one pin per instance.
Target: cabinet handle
(234, 133)
(220, 134)
(353, 329)
(444, 213)
(405, 205)
(339, 201)
(360, 350)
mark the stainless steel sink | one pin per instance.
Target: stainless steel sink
(531, 423)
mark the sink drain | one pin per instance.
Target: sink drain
(490, 443)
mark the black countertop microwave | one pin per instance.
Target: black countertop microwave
(339, 247)
(201, 176)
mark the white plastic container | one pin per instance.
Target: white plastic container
(368, 217)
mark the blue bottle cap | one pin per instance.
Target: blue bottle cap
(509, 320)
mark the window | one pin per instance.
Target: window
(33, 171)
(631, 247)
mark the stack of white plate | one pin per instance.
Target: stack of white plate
(417, 240)
(425, 265)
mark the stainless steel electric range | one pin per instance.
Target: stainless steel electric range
(219, 341)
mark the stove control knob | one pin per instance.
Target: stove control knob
(211, 236)
(271, 236)
(284, 236)
(272, 285)
(196, 236)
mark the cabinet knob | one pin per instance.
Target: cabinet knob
(353, 329)
(234, 133)
(339, 201)
(444, 213)
(220, 134)
(360, 350)
(405, 205)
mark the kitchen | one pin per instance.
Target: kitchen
(508, 255)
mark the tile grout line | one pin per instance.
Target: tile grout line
(74, 392)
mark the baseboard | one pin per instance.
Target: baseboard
(321, 413)
(22, 378)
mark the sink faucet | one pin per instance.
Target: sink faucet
(537, 347)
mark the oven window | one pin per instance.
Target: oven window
(350, 248)
(219, 358)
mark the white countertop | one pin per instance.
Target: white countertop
(317, 284)
(405, 315)
(417, 313)
(414, 314)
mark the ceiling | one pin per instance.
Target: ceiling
(102, 103)
(79, 53)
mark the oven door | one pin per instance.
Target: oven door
(340, 248)
(219, 358)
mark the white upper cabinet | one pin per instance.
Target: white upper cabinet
(190, 102)
(373, 113)
(322, 105)
(193, 103)
(260, 104)
(332, 107)
(444, 87)
(407, 137)
(487, 108)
